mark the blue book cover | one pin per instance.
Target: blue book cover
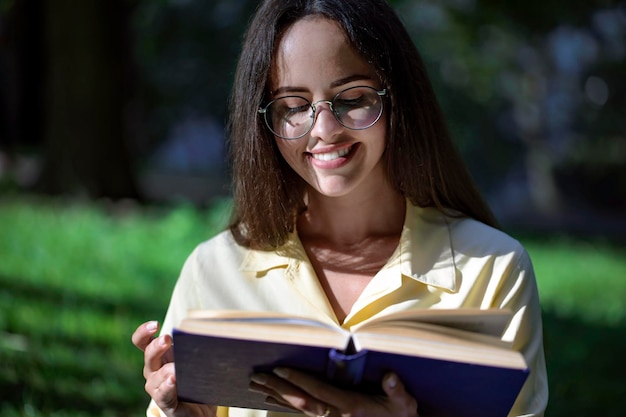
(216, 370)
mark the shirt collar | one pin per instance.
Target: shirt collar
(426, 249)
(432, 262)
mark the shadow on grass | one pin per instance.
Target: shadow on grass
(585, 367)
(47, 370)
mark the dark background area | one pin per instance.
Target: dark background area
(126, 100)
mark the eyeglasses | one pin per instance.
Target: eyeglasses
(292, 117)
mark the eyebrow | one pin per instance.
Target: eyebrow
(334, 84)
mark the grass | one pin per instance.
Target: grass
(77, 278)
(582, 279)
(582, 286)
(75, 281)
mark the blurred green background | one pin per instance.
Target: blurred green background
(112, 169)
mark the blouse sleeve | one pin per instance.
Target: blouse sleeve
(184, 297)
(519, 294)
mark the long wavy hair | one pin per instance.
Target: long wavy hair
(421, 159)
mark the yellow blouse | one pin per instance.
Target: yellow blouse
(440, 262)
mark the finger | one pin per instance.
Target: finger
(168, 356)
(261, 389)
(284, 393)
(156, 379)
(397, 394)
(274, 386)
(305, 392)
(165, 394)
(154, 355)
(144, 333)
(313, 386)
(271, 396)
(271, 400)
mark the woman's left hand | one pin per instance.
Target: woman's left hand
(315, 398)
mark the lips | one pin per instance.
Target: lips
(332, 155)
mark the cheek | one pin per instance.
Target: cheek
(282, 149)
(379, 135)
(288, 150)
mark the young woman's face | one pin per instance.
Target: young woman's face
(315, 61)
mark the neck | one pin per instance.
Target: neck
(349, 221)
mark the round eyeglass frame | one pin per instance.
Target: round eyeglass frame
(380, 93)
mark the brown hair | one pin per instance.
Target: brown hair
(422, 161)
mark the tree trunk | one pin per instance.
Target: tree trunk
(86, 150)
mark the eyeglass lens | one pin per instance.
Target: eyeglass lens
(292, 117)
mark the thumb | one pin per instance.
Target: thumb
(397, 394)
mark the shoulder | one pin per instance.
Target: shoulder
(474, 242)
(471, 233)
(220, 249)
(470, 237)
(223, 240)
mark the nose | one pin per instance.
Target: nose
(325, 125)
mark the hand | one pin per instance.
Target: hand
(158, 370)
(300, 391)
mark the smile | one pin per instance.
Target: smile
(330, 156)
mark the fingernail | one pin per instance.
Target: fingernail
(162, 341)
(170, 381)
(392, 381)
(281, 372)
(253, 388)
(152, 326)
(272, 401)
(259, 379)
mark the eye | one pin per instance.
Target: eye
(350, 101)
(298, 109)
(291, 105)
(356, 98)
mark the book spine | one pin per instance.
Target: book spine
(345, 369)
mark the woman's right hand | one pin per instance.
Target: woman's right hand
(158, 370)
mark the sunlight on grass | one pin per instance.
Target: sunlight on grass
(81, 249)
(581, 279)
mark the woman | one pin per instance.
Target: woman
(349, 201)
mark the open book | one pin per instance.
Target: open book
(452, 361)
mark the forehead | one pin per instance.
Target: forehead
(315, 53)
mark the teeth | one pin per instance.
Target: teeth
(331, 155)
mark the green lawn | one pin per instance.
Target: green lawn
(76, 279)
(582, 285)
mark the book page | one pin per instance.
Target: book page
(437, 345)
(407, 328)
(269, 327)
(244, 315)
(489, 322)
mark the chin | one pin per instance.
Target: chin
(333, 190)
